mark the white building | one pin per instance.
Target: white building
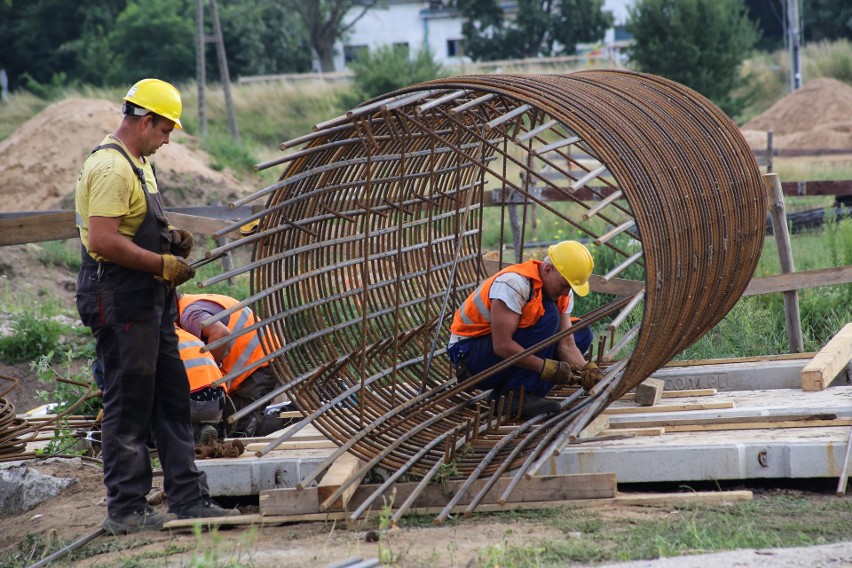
(410, 24)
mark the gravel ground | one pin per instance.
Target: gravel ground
(835, 555)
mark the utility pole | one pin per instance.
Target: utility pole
(218, 39)
(200, 67)
(794, 44)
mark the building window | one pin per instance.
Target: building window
(454, 48)
(401, 48)
(351, 52)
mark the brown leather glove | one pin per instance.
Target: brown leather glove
(175, 271)
(590, 375)
(559, 372)
(182, 242)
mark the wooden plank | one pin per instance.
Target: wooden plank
(293, 445)
(537, 489)
(59, 226)
(672, 422)
(760, 425)
(730, 360)
(640, 500)
(595, 427)
(799, 280)
(676, 394)
(637, 432)
(829, 361)
(669, 407)
(344, 468)
(241, 520)
(36, 228)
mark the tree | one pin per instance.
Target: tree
(827, 20)
(324, 22)
(262, 38)
(699, 43)
(388, 68)
(540, 27)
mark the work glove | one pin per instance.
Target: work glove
(182, 242)
(590, 375)
(175, 271)
(558, 372)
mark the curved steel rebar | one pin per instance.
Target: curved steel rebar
(375, 227)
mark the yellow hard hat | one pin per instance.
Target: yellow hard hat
(574, 262)
(158, 97)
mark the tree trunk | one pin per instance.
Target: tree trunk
(325, 54)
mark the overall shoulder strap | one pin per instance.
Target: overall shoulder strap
(137, 170)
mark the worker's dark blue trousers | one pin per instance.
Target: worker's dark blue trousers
(145, 390)
(479, 354)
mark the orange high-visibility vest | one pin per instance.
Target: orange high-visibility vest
(473, 318)
(247, 348)
(201, 368)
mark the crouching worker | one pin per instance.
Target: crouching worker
(257, 380)
(206, 402)
(517, 308)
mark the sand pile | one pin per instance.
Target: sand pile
(816, 116)
(40, 161)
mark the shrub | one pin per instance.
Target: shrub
(389, 68)
(31, 338)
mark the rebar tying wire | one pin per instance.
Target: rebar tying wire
(369, 228)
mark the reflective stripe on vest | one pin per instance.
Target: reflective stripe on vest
(201, 368)
(247, 348)
(473, 318)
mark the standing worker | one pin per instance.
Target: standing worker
(517, 308)
(132, 262)
(257, 380)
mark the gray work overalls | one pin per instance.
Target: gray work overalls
(132, 317)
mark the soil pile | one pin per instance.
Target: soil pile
(816, 116)
(42, 159)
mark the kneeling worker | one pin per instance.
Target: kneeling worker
(256, 381)
(206, 402)
(517, 308)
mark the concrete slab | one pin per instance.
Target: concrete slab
(249, 475)
(758, 375)
(679, 457)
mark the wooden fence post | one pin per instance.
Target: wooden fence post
(785, 255)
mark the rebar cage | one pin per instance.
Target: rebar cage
(372, 237)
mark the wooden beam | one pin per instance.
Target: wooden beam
(636, 432)
(629, 499)
(344, 468)
(742, 422)
(59, 226)
(537, 489)
(799, 280)
(649, 392)
(760, 425)
(829, 361)
(293, 445)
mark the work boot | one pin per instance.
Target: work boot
(202, 509)
(204, 434)
(533, 405)
(145, 520)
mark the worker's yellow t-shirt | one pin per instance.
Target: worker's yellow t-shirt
(108, 187)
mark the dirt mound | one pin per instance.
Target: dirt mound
(42, 159)
(815, 116)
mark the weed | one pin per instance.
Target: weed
(31, 337)
(64, 254)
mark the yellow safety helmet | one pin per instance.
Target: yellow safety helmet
(158, 97)
(574, 262)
